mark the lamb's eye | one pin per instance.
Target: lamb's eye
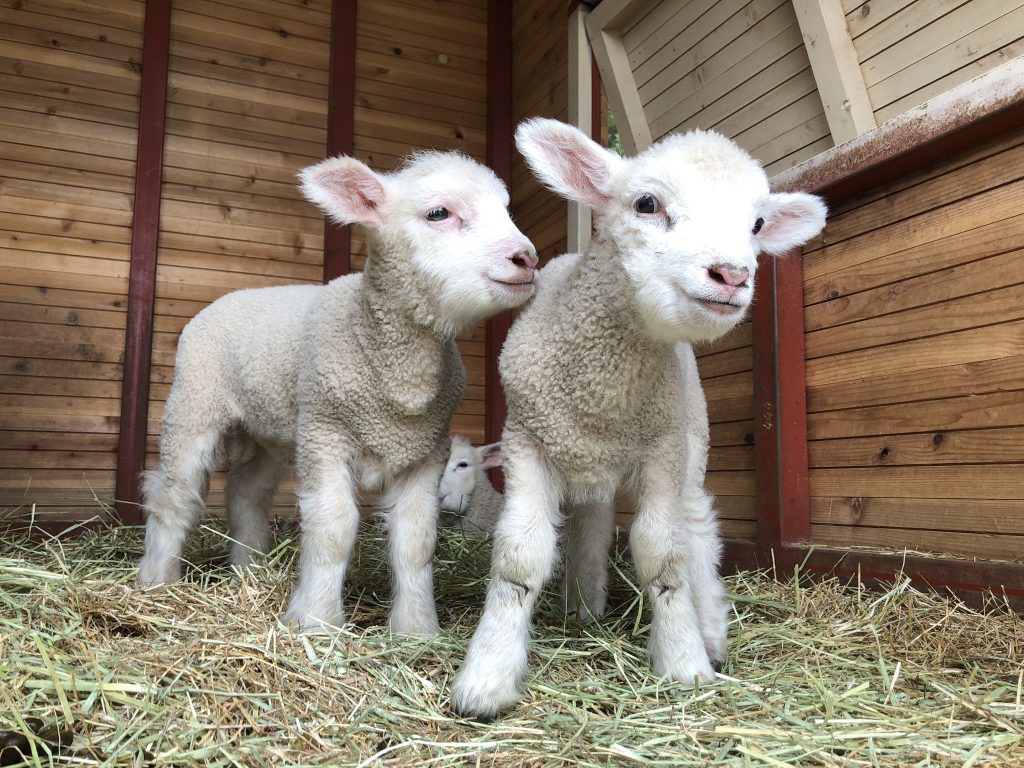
(462, 465)
(437, 214)
(757, 225)
(647, 204)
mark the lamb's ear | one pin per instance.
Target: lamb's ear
(567, 161)
(347, 190)
(790, 219)
(491, 456)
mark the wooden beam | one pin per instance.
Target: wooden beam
(340, 125)
(581, 115)
(138, 342)
(836, 68)
(605, 25)
(780, 403)
(500, 130)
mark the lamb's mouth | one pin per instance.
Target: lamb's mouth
(718, 307)
(515, 285)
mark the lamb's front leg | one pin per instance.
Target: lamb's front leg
(411, 508)
(330, 522)
(525, 546)
(657, 542)
(704, 546)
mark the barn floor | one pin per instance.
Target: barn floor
(201, 673)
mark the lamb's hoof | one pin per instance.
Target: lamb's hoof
(481, 699)
(424, 628)
(692, 671)
(309, 622)
(716, 665)
(157, 575)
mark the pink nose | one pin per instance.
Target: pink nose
(727, 275)
(524, 259)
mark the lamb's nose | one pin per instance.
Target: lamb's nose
(727, 275)
(525, 259)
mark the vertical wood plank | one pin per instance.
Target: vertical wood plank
(836, 68)
(340, 125)
(131, 451)
(499, 157)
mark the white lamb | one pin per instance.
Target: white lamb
(356, 379)
(602, 391)
(468, 500)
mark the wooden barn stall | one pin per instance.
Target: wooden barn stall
(148, 167)
(873, 400)
(876, 398)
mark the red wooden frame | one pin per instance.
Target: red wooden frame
(340, 125)
(138, 342)
(500, 129)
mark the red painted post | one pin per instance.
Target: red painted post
(791, 401)
(138, 343)
(780, 403)
(499, 157)
(340, 124)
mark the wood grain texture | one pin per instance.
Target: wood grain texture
(916, 362)
(69, 85)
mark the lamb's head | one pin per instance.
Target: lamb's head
(687, 218)
(465, 468)
(449, 215)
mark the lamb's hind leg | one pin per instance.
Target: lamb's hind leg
(173, 500)
(251, 483)
(591, 528)
(659, 551)
(410, 506)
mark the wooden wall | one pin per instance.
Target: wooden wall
(737, 66)
(912, 51)
(69, 85)
(247, 108)
(421, 82)
(914, 323)
(540, 72)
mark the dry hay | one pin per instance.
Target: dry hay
(202, 673)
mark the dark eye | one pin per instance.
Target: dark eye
(462, 465)
(647, 204)
(757, 225)
(437, 214)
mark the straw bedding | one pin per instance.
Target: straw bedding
(202, 673)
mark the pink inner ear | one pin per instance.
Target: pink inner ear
(491, 456)
(356, 193)
(584, 172)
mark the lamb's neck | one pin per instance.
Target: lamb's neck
(401, 344)
(612, 361)
(601, 307)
